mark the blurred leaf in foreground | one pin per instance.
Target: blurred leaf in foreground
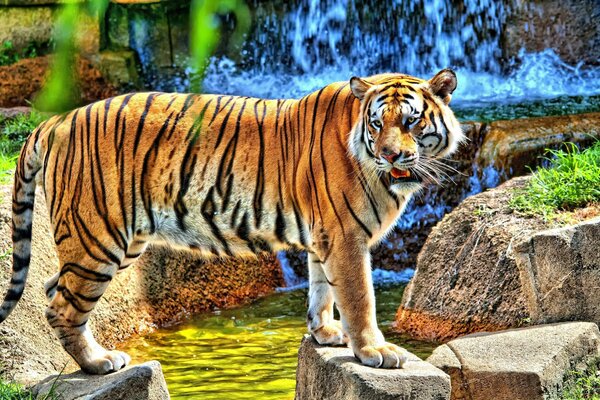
(205, 32)
(60, 91)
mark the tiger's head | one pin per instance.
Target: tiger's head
(404, 126)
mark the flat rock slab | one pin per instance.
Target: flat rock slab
(138, 382)
(334, 373)
(517, 364)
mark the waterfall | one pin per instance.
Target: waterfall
(296, 47)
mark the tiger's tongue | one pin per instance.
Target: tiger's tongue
(398, 173)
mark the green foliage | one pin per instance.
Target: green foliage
(14, 391)
(15, 130)
(10, 55)
(583, 385)
(13, 133)
(571, 181)
(204, 32)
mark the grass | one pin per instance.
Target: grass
(15, 391)
(571, 181)
(13, 133)
(583, 385)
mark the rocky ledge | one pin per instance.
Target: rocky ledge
(334, 373)
(139, 382)
(486, 268)
(519, 364)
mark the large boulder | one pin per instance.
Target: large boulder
(333, 373)
(519, 364)
(163, 286)
(569, 28)
(486, 268)
(138, 382)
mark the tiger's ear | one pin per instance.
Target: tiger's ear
(359, 87)
(443, 84)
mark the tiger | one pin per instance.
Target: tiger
(230, 176)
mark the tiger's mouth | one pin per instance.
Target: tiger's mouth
(398, 176)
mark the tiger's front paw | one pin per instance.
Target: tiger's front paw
(330, 334)
(387, 355)
(106, 362)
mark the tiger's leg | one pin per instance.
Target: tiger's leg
(50, 286)
(349, 271)
(80, 285)
(321, 324)
(134, 251)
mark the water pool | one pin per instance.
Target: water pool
(248, 352)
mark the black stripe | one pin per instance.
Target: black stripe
(280, 225)
(224, 125)
(234, 214)
(68, 296)
(142, 121)
(208, 210)
(260, 170)
(85, 273)
(19, 207)
(13, 295)
(301, 232)
(20, 262)
(358, 221)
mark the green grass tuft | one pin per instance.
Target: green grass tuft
(14, 391)
(583, 385)
(572, 180)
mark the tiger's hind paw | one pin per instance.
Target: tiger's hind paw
(110, 361)
(330, 334)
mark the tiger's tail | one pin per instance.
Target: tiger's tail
(23, 198)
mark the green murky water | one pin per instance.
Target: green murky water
(248, 352)
(563, 105)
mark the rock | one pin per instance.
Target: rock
(513, 147)
(485, 268)
(117, 29)
(569, 28)
(119, 68)
(560, 273)
(24, 25)
(334, 373)
(13, 112)
(138, 382)
(518, 364)
(87, 34)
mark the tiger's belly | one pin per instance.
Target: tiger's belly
(234, 232)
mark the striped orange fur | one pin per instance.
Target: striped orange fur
(232, 176)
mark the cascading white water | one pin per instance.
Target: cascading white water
(296, 48)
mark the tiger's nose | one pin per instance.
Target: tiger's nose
(393, 156)
(390, 155)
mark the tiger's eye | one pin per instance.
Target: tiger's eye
(410, 120)
(376, 124)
